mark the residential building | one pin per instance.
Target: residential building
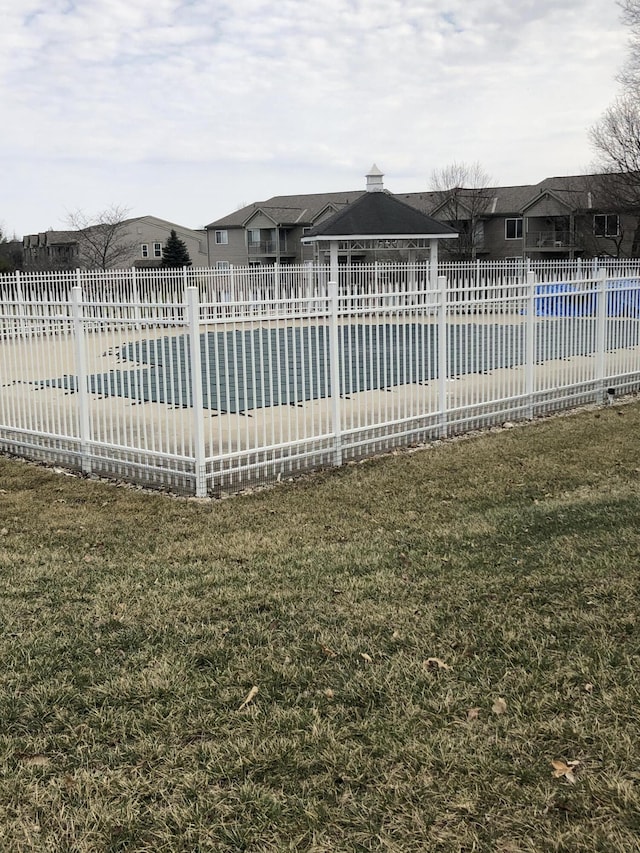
(139, 242)
(560, 217)
(270, 231)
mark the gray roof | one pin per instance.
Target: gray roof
(588, 192)
(288, 209)
(50, 238)
(500, 200)
(581, 192)
(380, 214)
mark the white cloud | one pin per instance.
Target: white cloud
(243, 96)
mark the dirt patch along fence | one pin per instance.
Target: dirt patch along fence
(205, 395)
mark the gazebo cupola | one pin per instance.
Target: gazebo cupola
(374, 180)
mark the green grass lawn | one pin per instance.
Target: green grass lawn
(428, 632)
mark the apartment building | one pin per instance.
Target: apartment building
(138, 242)
(560, 217)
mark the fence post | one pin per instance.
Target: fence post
(21, 312)
(135, 295)
(334, 364)
(195, 359)
(530, 343)
(276, 281)
(443, 355)
(601, 328)
(82, 389)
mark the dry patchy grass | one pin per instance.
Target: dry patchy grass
(382, 611)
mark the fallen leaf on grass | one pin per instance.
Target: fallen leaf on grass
(473, 714)
(329, 693)
(562, 768)
(251, 695)
(328, 652)
(436, 663)
(366, 658)
(499, 706)
(33, 759)
(588, 687)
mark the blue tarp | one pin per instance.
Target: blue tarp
(562, 299)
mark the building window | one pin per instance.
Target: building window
(606, 225)
(222, 265)
(513, 229)
(144, 250)
(222, 238)
(253, 235)
(157, 250)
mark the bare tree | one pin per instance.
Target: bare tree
(104, 240)
(599, 227)
(615, 137)
(463, 197)
(629, 75)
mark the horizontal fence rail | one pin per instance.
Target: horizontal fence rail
(204, 381)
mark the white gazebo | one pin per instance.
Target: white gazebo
(379, 221)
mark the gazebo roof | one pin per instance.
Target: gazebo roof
(378, 216)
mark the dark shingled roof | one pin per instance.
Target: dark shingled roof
(288, 209)
(380, 214)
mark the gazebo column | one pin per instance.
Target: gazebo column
(411, 262)
(433, 264)
(333, 261)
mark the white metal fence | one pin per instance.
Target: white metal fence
(265, 283)
(181, 380)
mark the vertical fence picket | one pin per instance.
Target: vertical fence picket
(20, 305)
(334, 366)
(135, 298)
(195, 365)
(443, 359)
(601, 328)
(82, 389)
(530, 345)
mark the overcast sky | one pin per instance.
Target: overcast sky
(188, 109)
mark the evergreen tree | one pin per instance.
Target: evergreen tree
(175, 252)
(10, 254)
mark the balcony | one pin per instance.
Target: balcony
(550, 240)
(267, 247)
(262, 247)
